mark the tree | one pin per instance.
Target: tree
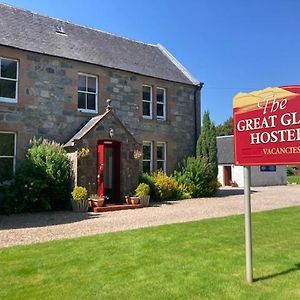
(207, 143)
(226, 128)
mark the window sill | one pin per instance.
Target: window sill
(8, 100)
(161, 119)
(87, 111)
(155, 121)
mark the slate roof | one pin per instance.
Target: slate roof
(26, 30)
(225, 149)
(91, 124)
(85, 129)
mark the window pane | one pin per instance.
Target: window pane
(7, 88)
(92, 84)
(81, 100)
(147, 93)
(7, 144)
(91, 101)
(146, 108)
(160, 152)
(160, 95)
(160, 165)
(160, 110)
(268, 168)
(146, 167)
(81, 83)
(146, 152)
(8, 68)
(6, 169)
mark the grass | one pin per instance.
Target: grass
(195, 260)
(293, 179)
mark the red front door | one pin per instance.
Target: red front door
(108, 176)
(227, 175)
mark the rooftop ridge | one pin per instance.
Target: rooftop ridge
(76, 24)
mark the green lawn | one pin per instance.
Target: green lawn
(196, 260)
(293, 179)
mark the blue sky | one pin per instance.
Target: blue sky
(232, 46)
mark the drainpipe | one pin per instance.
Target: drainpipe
(197, 93)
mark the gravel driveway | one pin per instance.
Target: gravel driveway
(40, 227)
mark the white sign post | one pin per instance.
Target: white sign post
(248, 225)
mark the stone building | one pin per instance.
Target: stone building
(55, 79)
(229, 174)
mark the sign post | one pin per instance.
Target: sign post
(266, 132)
(248, 225)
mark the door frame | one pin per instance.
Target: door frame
(116, 146)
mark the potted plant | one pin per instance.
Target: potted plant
(80, 201)
(143, 191)
(96, 200)
(132, 199)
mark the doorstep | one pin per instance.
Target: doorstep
(114, 207)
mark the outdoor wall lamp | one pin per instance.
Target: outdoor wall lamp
(111, 132)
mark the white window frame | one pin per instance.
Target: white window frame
(15, 150)
(86, 92)
(164, 144)
(163, 103)
(148, 143)
(11, 100)
(147, 101)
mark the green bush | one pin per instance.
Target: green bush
(166, 187)
(198, 177)
(42, 182)
(143, 189)
(79, 193)
(289, 171)
(148, 179)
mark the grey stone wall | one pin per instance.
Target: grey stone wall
(47, 104)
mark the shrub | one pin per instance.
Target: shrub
(290, 171)
(166, 187)
(143, 189)
(42, 181)
(79, 193)
(198, 177)
(148, 179)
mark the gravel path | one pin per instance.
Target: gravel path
(40, 227)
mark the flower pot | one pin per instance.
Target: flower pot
(134, 200)
(100, 202)
(144, 200)
(80, 206)
(97, 202)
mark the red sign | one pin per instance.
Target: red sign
(267, 126)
